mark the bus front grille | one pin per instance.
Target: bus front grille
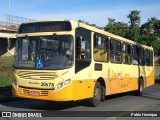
(37, 75)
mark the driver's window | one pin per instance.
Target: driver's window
(83, 49)
(25, 49)
(83, 44)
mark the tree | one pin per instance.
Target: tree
(111, 20)
(147, 34)
(151, 32)
(156, 46)
(151, 26)
(117, 28)
(134, 29)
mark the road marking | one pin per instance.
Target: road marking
(126, 112)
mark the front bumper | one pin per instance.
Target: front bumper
(65, 94)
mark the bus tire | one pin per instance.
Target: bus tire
(103, 93)
(140, 87)
(96, 99)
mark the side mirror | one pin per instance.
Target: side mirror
(9, 45)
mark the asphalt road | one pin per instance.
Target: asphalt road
(123, 103)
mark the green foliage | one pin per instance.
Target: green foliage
(151, 30)
(156, 46)
(146, 40)
(5, 71)
(147, 34)
(134, 17)
(117, 28)
(134, 29)
(5, 80)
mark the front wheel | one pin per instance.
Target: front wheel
(96, 99)
(103, 95)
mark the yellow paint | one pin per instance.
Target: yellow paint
(82, 88)
(75, 91)
(100, 55)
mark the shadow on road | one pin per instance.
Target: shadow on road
(48, 105)
(51, 105)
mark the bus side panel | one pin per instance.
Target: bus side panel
(130, 76)
(107, 82)
(149, 79)
(115, 82)
(124, 78)
(83, 89)
(148, 75)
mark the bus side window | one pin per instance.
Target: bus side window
(141, 56)
(147, 57)
(115, 51)
(134, 55)
(83, 44)
(83, 49)
(151, 58)
(101, 48)
(78, 47)
(107, 48)
(126, 53)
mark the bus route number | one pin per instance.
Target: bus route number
(44, 84)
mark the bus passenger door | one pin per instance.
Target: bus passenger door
(115, 66)
(115, 86)
(142, 68)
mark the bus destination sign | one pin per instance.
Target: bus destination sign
(45, 27)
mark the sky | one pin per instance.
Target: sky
(92, 11)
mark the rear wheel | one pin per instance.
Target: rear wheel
(140, 87)
(96, 99)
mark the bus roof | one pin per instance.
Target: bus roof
(76, 24)
(95, 29)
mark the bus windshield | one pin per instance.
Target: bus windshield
(47, 52)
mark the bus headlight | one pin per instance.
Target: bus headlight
(60, 85)
(67, 81)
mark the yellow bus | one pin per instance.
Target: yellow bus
(67, 60)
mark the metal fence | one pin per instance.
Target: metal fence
(12, 22)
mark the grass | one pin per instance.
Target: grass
(6, 71)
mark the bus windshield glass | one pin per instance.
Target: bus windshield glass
(47, 52)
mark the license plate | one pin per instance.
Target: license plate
(34, 93)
